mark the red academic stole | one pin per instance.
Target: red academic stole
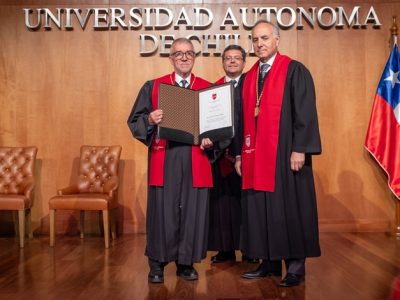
(201, 168)
(225, 165)
(260, 136)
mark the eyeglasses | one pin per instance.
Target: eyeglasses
(228, 58)
(180, 54)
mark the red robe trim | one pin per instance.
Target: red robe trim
(201, 167)
(220, 81)
(261, 134)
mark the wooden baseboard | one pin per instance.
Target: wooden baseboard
(325, 225)
(357, 225)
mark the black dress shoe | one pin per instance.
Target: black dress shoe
(260, 272)
(187, 272)
(250, 260)
(156, 276)
(223, 256)
(291, 280)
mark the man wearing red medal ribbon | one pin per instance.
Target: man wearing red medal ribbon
(280, 135)
(179, 177)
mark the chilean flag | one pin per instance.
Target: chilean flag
(383, 136)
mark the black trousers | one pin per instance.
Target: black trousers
(294, 266)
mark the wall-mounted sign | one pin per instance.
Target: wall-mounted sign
(196, 22)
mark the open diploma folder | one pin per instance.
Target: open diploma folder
(189, 116)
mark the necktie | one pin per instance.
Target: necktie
(234, 82)
(261, 77)
(264, 70)
(183, 83)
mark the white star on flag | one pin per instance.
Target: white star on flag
(394, 77)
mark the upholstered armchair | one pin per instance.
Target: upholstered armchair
(96, 189)
(16, 185)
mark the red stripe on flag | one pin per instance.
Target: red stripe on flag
(383, 141)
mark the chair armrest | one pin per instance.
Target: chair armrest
(70, 190)
(27, 186)
(111, 185)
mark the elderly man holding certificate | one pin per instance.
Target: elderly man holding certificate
(179, 175)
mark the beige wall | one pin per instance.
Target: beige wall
(60, 89)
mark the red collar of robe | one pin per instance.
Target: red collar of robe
(201, 167)
(225, 165)
(261, 134)
(220, 81)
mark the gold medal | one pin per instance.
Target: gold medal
(256, 111)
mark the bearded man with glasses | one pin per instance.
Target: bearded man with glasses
(179, 177)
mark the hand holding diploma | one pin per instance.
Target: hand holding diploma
(155, 117)
(206, 143)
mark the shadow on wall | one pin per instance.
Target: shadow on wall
(381, 179)
(138, 209)
(38, 199)
(348, 205)
(133, 208)
(130, 211)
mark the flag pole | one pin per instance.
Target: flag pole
(392, 41)
(393, 33)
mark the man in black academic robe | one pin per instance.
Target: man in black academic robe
(280, 134)
(179, 177)
(225, 196)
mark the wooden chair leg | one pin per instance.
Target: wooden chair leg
(21, 223)
(82, 223)
(52, 214)
(113, 222)
(29, 223)
(106, 225)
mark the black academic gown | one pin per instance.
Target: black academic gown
(225, 211)
(177, 213)
(283, 224)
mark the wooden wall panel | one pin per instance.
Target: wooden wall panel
(347, 65)
(61, 89)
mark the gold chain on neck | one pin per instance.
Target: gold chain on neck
(258, 98)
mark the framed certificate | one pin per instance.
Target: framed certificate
(189, 116)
